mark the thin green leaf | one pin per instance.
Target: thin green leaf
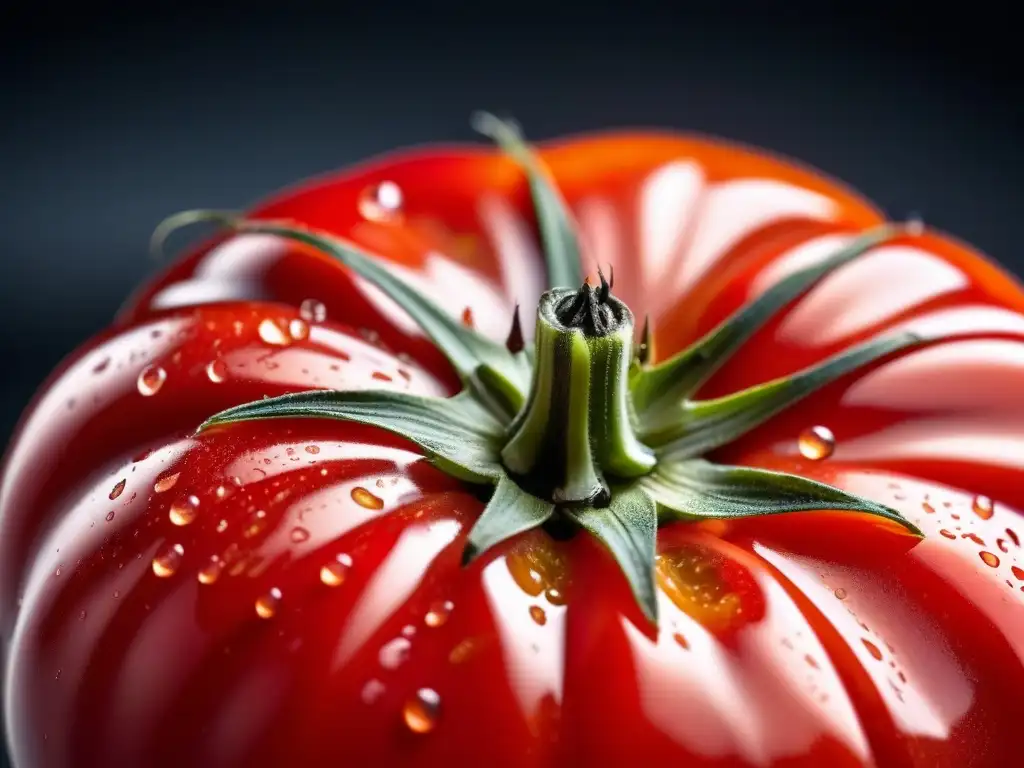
(465, 349)
(557, 230)
(177, 221)
(695, 489)
(457, 433)
(628, 527)
(510, 511)
(708, 424)
(665, 385)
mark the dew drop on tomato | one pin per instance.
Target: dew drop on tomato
(117, 490)
(184, 510)
(312, 450)
(840, 594)
(312, 311)
(110, 516)
(394, 653)
(217, 371)
(166, 563)
(271, 333)
(165, 483)
(438, 613)
(151, 380)
(210, 572)
(681, 641)
(364, 498)
(947, 534)
(872, 648)
(989, 559)
(538, 615)
(372, 691)
(381, 202)
(298, 329)
(983, 507)
(422, 711)
(268, 603)
(1017, 572)
(333, 573)
(816, 443)
(299, 534)
(554, 596)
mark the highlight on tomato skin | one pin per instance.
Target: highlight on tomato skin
(299, 590)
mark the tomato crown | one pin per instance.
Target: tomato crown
(582, 427)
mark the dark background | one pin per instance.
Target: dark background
(113, 120)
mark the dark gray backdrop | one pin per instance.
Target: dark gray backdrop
(111, 121)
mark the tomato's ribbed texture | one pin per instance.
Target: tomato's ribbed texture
(289, 592)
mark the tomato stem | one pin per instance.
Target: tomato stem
(575, 434)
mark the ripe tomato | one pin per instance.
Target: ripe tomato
(290, 592)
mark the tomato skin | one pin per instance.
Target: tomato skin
(794, 640)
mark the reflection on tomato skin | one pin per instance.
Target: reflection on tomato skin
(292, 594)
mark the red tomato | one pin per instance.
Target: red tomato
(290, 593)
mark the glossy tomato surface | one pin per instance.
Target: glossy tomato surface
(290, 592)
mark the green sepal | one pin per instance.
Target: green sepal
(662, 387)
(510, 511)
(458, 434)
(467, 350)
(628, 527)
(183, 219)
(557, 231)
(703, 425)
(697, 489)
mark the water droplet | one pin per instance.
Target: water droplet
(166, 483)
(378, 376)
(210, 572)
(312, 311)
(166, 563)
(947, 534)
(928, 508)
(554, 596)
(110, 515)
(118, 489)
(333, 574)
(364, 498)
(151, 380)
(408, 630)
(298, 329)
(1017, 571)
(467, 317)
(538, 615)
(1013, 537)
(268, 603)
(840, 593)
(217, 371)
(101, 366)
(381, 202)
(299, 535)
(983, 507)
(394, 653)
(438, 613)
(816, 443)
(989, 559)
(421, 712)
(222, 526)
(271, 333)
(372, 691)
(184, 510)
(681, 641)
(872, 648)
(312, 449)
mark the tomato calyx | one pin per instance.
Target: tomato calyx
(580, 427)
